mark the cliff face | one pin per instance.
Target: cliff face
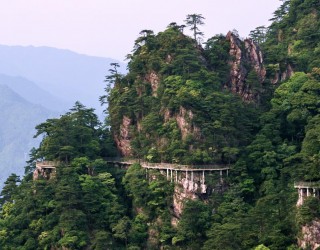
(282, 76)
(245, 56)
(154, 80)
(310, 236)
(187, 188)
(193, 185)
(184, 122)
(123, 139)
(183, 119)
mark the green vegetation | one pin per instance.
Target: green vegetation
(82, 205)
(293, 37)
(186, 95)
(194, 21)
(176, 105)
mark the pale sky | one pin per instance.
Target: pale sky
(108, 28)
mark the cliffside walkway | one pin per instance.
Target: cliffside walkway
(176, 172)
(167, 166)
(306, 189)
(46, 164)
(46, 169)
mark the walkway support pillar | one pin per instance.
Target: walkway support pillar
(202, 177)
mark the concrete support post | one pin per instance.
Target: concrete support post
(308, 193)
(314, 192)
(176, 176)
(171, 176)
(167, 173)
(191, 176)
(300, 199)
(186, 175)
(202, 177)
(221, 176)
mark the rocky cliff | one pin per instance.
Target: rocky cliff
(246, 56)
(192, 185)
(123, 139)
(310, 236)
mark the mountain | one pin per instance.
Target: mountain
(33, 93)
(18, 119)
(181, 89)
(67, 75)
(228, 137)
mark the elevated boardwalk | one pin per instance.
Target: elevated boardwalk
(306, 189)
(307, 184)
(165, 166)
(46, 169)
(178, 167)
(190, 175)
(46, 164)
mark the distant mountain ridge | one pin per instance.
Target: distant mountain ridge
(32, 92)
(18, 119)
(37, 83)
(67, 75)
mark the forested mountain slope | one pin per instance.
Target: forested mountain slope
(228, 103)
(182, 103)
(292, 40)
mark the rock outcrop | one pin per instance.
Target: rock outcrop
(310, 236)
(154, 80)
(192, 186)
(245, 56)
(255, 57)
(123, 139)
(282, 76)
(184, 121)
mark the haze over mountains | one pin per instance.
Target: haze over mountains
(18, 118)
(37, 83)
(64, 74)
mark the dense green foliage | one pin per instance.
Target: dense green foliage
(293, 37)
(82, 205)
(188, 86)
(90, 205)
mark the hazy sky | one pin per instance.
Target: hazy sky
(109, 28)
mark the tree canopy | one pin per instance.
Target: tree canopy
(174, 105)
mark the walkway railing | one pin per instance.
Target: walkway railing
(307, 184)
(173, 166)
(46, 164)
